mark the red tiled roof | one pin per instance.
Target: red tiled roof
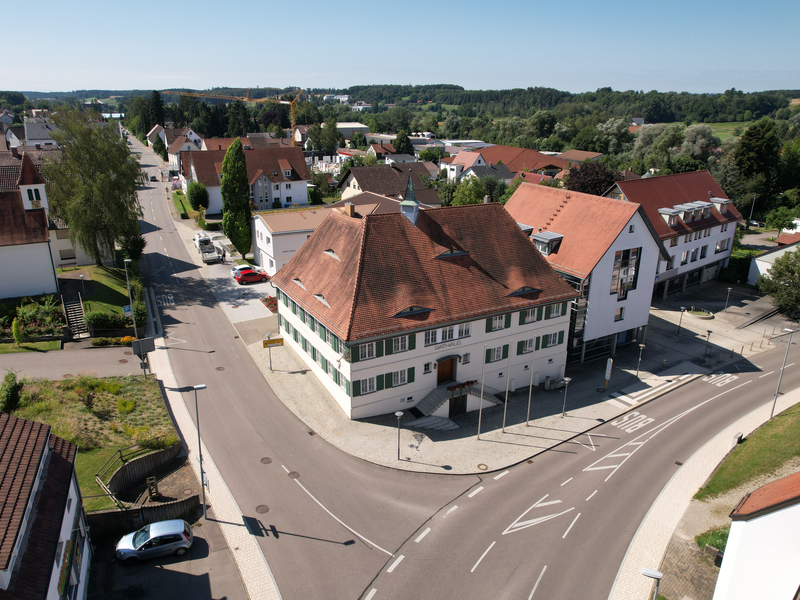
(387, 180)
(667, 191)
(519, 159)
(579, 155)
(785, 239)
(208, 165)
(768, 498)
(29, 174)
(383, 148)
(19, 226)
(534, 178)
(224, 143)
(467, 158)
(589, 224)
(386, 264)
(377, 203)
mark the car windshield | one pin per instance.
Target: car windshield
(141, 536)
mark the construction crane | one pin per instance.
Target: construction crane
(292, 103)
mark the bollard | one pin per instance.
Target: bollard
(731, 352)
(751, 346)
(742, 352)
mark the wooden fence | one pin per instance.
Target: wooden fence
(119, 522)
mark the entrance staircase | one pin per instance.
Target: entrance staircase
(74, 312)
(437, 397)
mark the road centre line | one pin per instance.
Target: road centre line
(449, 511)
(422, 535)
(765, 374)
(501, 475)
(472, 494)
(570, 526)
(485, 552)
(371, 594)
(350, 529)
(395, 563)
(533, 591)
(590, 496)
(566, 482)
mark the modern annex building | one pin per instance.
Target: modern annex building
(391, 310)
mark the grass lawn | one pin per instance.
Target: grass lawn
(100, 416)
(725, 130)
(10, 348)
(764, 451)
(110, 290)
(182, 204)
(717, 538)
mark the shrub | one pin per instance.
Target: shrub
(125, 406)
(133, 246)
(271, 302)
(276, 204)
(16, 330)
(9, 392)
(103, 320)
(140, 312)
(111, 388)
(210, 226)
(197, 194)
(126, 341)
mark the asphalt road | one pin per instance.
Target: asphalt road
(337, 527)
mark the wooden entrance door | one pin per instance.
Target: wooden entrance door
(445, 371)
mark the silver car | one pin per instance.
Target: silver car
(156, 539)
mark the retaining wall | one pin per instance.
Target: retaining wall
(135, 471)
(119, 522)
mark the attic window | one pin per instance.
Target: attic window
(453, 252)
(413, 310)
(330, 252)
(274, 173)
(321, 298)
(300, 283)
(525, 289)
(287, 173)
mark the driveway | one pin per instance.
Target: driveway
(239, 302)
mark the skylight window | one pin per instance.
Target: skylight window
(321, 298)
(453, 252)
(413, 310)
(300, 283)
(526, 289)
(330, 252)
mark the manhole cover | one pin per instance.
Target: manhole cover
(68, 375)
(123, 360)
(482, 467)
(262, 509)
(220, 368)
(294, 474)
(129, 353)
(266, 460)
(187, 492)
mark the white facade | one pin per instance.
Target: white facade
(73, 541)
(416, 360)
(761, 265)
(27, 270)
(761, 557)
(273, 250)
(701, 253)
(264, 192)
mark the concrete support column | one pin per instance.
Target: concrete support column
(683, 283)
(614, 339)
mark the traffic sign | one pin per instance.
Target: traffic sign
(127, 310)
(273, 343)
(609, 364)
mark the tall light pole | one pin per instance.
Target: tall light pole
(780, 377)
(83, 286)
(726, 300)
(398, 414)
(653, 574)
(566, 389)
(752, 206)
(130, 299)
(683, 310)
(508, 381)
(708, 337)
(480, 406)
(530, 389)
(200, 386)
(639, 364)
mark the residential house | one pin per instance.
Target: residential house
(368, 203)
(170, 134)
(14, 136)
(524, 159)
(361, 105)
(301, 135)
(38, 132)
(392, 159)
(278, 236)
(401, 310)
(268, 140)
(762, 553)
(278, 177)
(605, 249)
(380, 151)
(380, 138)
(784, 239)
(45, 548)
(156, 132)
(576, 157)
(181, 144)
(762, 263)
(6, 117)
(534, 178)
(224, 143)
(387, 180)
(455, 165)
(695, 220)
(500, 172)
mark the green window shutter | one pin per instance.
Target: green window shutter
(410, 376)
(313, 354)
(356, 388)
(560, 337)
(336, 377)
(545, 339)
(378, 349)
(324, 364)
(294, 307)
(379, 383)
(302, 315)
(539, 313)
(564, 308)
(520, 346)
(355, 354)
(537, 342)
(296, 335)
(389, 344)
(347, 387)
(547, 312)
(522, 317)
(321, 330)
(335, 343)
(488, 358)
(388, 380)
(489, 325)
(285, 299)
(508, 320)
(280, 320)
(505, 351)
(412, 341)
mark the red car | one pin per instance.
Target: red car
(250, 276)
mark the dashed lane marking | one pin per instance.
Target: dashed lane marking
(475, 492)
(590, 495)
(504, 473)
(566, 482)
(422, 535)
(570, 526)
(536, 585)
(395, 563)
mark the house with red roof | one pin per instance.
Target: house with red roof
(45, 548)
(607, 250)
(762, 553)
(455, 165)
(524, 159)
(432, 311)
(695, 220)
(388, 180)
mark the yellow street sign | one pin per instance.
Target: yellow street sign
(273, 343)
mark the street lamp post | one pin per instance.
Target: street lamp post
(639, 364)
(83, 286)
(726, 300)
(653, 574)
(752, 206)
(130, 298)
(708, 337)
(200, 386)
(398, 414)
(780, 376)
(683, 310)
(567, 380)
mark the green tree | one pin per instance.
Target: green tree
(781, 218)
(402, 145)
(197, 194)
(782, 283)
(512, 187)
(133, 245)
(16, 331)
(758, 151)
(92, 186)
(160, 149)
(358, 140)
(235, 191)
(469, 192)
(156, 106)
(592, 177)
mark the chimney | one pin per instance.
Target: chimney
(15, 152)
(487, 199)
(350, 209)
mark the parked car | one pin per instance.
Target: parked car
(156, 539)
(153, 178)
(250, 276)
(239, 268)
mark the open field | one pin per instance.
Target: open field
(726, 130)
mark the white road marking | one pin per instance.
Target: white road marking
(765, 374)
(591, 441)
(481, 558)
(371, 594)
(449, 511)
(161, 238)
(518, 524)
(566, 482)
(570, 526)
(501, 475)
(422, 535)
(395, 563)
(787, 366)
(590, 496)
(533, 591)
(475, 492)
(616, 404)
(350, 529)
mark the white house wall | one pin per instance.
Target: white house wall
(602, 304)
(27, 270)
(761, 557)
(276, 247)
(65, 534)
(716, 234)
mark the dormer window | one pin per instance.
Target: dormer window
(453, 252)
(274, 173)
(321, 298)
(298, 282)
(413, 310)
(330, 252)
(687, 216)
(673, 220)
(287, 173)
(525, 289)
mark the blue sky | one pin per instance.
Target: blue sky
(575, 46)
